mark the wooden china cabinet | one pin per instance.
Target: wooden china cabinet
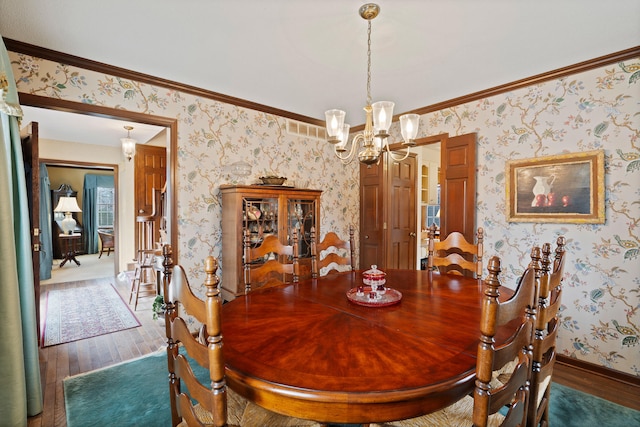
(263, 210)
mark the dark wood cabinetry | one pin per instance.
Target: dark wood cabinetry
(388, 213)
(263, 210)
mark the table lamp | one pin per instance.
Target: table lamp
(67, 205)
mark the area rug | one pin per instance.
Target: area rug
(132, 393)
(136, 393)
(572, 408)
(77, 313)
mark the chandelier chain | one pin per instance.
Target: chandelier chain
(369, 63)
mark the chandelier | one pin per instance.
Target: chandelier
(128, 144)
(379, 115)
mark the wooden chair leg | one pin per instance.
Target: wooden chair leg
(135, 305)
(133, 284)
(142, 284)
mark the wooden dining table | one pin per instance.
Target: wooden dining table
(308, 351)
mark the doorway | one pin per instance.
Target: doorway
(66, 177)
(126, 220)
(455, 207)
(429, 185)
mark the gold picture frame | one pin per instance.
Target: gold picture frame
(565, 188)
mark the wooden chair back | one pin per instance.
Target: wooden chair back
(338, 253)
(222, 406)
(206, 351)
(107, 243)
(549, 295)
(267, 265)
(502, 319)
(455, 255)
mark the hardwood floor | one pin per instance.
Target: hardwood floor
(60, 361)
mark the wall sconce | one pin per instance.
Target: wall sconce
(67, 205)
(128, 144)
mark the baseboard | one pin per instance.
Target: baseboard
(593, 369)
(609, 384)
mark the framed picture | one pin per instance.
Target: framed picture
(561, 188)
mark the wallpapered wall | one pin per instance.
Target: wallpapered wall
(591, 110)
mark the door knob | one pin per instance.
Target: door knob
(413, 234)
(366, 236)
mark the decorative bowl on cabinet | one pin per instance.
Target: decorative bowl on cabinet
(273, 180)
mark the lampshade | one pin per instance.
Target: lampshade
(128, 147)
(67, 205)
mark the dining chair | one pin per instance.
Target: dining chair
(455, 254)
(212, 401)
(332, 253)
(266, 265)
(207, 401)
(505, 341)
(549, 295)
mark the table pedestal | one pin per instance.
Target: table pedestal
(69, 245)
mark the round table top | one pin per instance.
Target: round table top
(305, 350)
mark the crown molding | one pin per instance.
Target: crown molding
(580, 67)
(100, 67)
(52, 55)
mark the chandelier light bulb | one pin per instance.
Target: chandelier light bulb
(382, 116)
(409, 127)
(335, 122)
(343, 137)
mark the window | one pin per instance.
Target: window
(106, 207)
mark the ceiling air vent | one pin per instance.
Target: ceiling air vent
(306, 130)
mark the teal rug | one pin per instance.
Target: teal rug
(572, 408)
(136, 393)
(132, 393)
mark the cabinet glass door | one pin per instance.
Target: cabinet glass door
(301, 217)
(260, 217)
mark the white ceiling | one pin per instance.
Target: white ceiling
(61, 126)
(308, 56)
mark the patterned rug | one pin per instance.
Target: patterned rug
(78, 313)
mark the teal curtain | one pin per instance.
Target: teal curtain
(21, 391)
(89, 208)
(46, 245)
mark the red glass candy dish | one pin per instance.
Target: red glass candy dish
(390, 297)
(374, 277)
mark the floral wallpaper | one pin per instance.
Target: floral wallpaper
(600, 319)
(597, 109)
